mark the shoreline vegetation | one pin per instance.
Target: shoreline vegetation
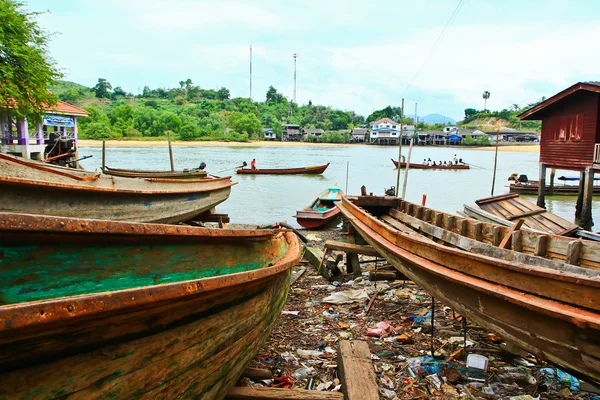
(521, 148)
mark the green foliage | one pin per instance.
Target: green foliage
(223, 94)
(26, 70)
(274, 97)
(245, 123)
(482, 140)
(102, 88)
(389, 112)
(510, 115)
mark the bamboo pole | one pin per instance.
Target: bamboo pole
(171, 152)
(495, 163)
(399, 152)
(406, 170)
(347, 171)
(103, 155)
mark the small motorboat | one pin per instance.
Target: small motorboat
(421, 166)
(321, 210)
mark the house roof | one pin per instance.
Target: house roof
(60, 107)
(534, 112)
(313, 131)
(359, 131)
(385, 120)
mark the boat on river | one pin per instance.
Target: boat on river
(532, 187)
(140, 173)
(321, 209)
(319, 169)
(538, 291)
(35, 188)
(421, 166)
(103, 309)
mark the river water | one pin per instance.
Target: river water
(264, 199)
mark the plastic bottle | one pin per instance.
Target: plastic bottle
(302, 373)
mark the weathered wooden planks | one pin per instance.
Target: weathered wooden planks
(247, 393)
(350, 248)
(356, 371)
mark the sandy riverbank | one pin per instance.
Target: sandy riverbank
(527, 148)
(162, 143)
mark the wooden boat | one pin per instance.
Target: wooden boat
(103, 309)
(319, 169)
(531, 188)
(138, 173)
(421, 166)
(505, 209)
(28, 187)
(321, 210)
(541, 293)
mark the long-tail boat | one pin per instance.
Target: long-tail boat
(103, 309)
(33, 188)
(140, 173)
(319, 169)
(538, 291)
(321, 209)
(421, 166)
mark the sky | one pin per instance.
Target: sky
(352, 55)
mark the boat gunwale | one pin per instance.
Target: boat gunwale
(34, 182)
(582, 318)
(27, 315)
(147, 171)
(420, 166)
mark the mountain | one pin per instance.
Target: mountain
(436, 119)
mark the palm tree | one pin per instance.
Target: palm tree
(486, 95)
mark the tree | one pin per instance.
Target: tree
(245, 123)
(274, 97)
(223, 94)
(470, 113)
(118, 92)
(486, 96)
(102, 88)
(26, 70)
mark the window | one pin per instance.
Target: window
(375, 126)
(394, 126)
(568, 128)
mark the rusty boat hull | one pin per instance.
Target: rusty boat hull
(548, 306)
(321, 210)
(421, 166)
(100, 309)
(319, 169)
(139, 173)
(32, 188)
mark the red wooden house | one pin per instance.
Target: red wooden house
(570, 139)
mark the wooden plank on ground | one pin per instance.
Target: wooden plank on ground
(351, 248)
(314, 255)
(356, 371)
(257, 373)
(248, 393)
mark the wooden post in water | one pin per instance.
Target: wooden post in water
(586, 210)
(400, 151)
(495, 163)
(347, 171)
(579, 203)
(552, 175)
(170, 152)
(541, 200)
(103, 155)
(406, 170)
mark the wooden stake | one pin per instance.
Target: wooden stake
(347, 172)
(103, 155)
(399, 151)
(424, 199)
(495, 163)
(508, 236)
(406, 169)
(170, 152)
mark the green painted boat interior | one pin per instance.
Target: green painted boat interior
(48, 270)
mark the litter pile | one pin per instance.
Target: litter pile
(397, 319)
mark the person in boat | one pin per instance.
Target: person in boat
(444, 164)
(460, 161)
(424, 161)
(455, 159)
(253, 163)
(434, 164)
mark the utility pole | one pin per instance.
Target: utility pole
(295, 57)
(250, 72)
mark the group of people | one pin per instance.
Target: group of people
(455, 161)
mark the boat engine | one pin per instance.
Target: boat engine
(59, 150)
(391, 191)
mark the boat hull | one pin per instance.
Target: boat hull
(37, 189)
(174, 339)
(559, 190)
(289, 171)
(421, 166)
(313, 220)
(132, 173)
(557, 332)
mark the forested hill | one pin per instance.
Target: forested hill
(192, 113)
(189, 112)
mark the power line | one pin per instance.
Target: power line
(435, 45)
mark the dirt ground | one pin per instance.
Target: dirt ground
(303, 345)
